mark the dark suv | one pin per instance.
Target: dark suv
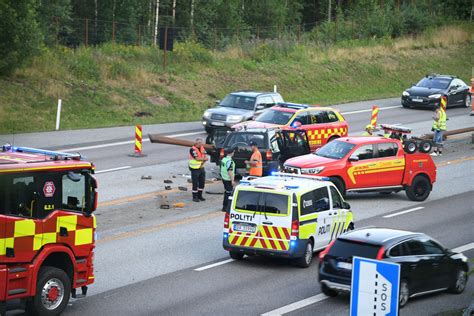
(238, 107)
(426, 266)
(275, 145)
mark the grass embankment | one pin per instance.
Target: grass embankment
(115, 85)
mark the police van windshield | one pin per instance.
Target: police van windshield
(335, 150)
(264, 202)
(274, 117)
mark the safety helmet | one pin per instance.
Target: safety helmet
(369, 126)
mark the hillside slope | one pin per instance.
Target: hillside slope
(115, 85)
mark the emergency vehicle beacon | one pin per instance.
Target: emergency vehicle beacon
(285, 215)
(47, 230)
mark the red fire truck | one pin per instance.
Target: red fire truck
(47, 230)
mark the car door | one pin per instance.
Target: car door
(244, 219)
(390, 165)
(314, 208)
(338, 213)
(420, 267)
(362, 167)
(455, 93)
(293, 143)
(440, 264)
(275, 221)
(3, 206)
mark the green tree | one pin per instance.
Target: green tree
(20, 37)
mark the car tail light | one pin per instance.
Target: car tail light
(226, 221)
(295, 228)
(326, 250)
(380, 253)
(269, 154)
(221, 153)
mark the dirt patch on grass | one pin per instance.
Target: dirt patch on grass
(158, 100)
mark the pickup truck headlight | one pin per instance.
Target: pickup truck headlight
(234, 118)
(435, 96)
(405, 94)
(207, 114)
(312, 170)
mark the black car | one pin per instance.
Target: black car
(426, 266)
(427, 93)
(275, 145)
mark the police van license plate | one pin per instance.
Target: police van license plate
(344, 265)
(243, 227)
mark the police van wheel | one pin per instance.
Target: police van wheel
(307, 258)
(419, 189)
(236, 255)
(327, 291)
(53, 290)
(404, 293)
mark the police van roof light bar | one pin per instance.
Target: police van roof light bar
(292, 175)
(46, 152)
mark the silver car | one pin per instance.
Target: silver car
(238, 107)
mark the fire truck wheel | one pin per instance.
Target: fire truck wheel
(425, 146)
(340, 185)
(53, 290)
(419, 189)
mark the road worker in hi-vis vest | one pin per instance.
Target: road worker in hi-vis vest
(439, 127)
(197, 159)
(227, 175)
(369, 130)
(255, 164)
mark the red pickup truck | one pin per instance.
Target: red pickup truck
(369, 164)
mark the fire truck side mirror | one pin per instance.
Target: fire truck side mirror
(93, 196)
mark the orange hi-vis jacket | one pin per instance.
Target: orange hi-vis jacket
(256, 170)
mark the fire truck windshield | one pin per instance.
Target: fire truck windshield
(335, 150)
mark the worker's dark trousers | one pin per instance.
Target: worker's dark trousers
(227, 193)
(198, 176)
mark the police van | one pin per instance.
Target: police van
(285, 215)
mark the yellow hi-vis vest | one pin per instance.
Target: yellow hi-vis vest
(196, 164)
(441, 123)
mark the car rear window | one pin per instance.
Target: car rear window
(346, 248)
(269, 203)
(240, 139)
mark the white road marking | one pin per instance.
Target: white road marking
(113, 169)
(404, 212)
(214, 265)
(464, 248)
(127, 142)
(370, 110)
(297, 305)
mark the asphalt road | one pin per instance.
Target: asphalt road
(255, 286)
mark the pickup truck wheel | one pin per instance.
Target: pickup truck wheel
(425, 146)
(409, 146)
(340, 185)
(53, 290)
(419, 189)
